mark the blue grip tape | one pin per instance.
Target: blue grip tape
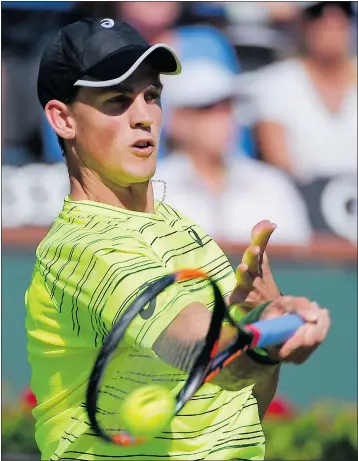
(278, 330)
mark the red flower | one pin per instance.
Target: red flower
(28, 398)
(280, 408)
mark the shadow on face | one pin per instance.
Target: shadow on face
(110, 121)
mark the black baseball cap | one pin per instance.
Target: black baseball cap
(97, 53)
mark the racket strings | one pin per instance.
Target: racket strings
(194, 358)
(181, 355)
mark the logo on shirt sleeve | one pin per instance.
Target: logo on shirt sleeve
(195, 236)
(149, 309)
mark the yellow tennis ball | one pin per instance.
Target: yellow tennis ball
(147, 411)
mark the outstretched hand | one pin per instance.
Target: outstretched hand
(255, 283)
(255, 286)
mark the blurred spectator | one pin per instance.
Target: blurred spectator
(207, 178)
(260, 31)
(151, 19)
(305, 110)
(213, 13)
(306, 107)
(26, 28)
(203, 41)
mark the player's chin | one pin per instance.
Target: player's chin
(144, 165)
(143, 173)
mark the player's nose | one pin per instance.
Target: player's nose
(140, 114)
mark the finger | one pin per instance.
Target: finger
(316, 335)
(308, 310)
(244, 283)
(261, 234)
(323, 322)
(305, 341)
(278, 307)
(265, 259)
(262, 226)
(300, 346)
(250, 258)
(293, 344)
(244, 278)
(264, 265)
(309, 344)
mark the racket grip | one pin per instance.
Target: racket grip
(272, 332)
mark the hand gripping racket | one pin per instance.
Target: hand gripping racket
(208, 364)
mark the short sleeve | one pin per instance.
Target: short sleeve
(106, 285)
(156, 316)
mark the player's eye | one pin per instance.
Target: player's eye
(152, 96)
(119, 99)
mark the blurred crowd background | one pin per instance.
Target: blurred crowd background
(261, 124)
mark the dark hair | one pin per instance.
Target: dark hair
(68, 101)
(315, 11)
(61, 142)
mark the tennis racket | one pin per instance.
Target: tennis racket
(207, 365)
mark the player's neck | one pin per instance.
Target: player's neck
(135, 197)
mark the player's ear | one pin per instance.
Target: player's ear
(60, 119)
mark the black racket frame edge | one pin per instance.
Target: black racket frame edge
(204, 364)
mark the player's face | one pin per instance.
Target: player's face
(117, 128)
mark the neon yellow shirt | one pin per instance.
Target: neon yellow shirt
(89, 267)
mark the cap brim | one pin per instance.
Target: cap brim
(120, 65)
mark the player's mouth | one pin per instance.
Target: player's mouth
(143, 147)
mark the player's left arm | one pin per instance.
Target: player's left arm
(181, 342)
(255, 286)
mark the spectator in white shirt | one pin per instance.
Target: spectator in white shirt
(224, 192)
(305, 108)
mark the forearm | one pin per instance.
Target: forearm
(180, 350)
(243, 372)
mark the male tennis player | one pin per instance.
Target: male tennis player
(100, 88)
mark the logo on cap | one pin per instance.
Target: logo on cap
(107, 23)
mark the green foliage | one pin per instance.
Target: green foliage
(326, 432)
(17, 431)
